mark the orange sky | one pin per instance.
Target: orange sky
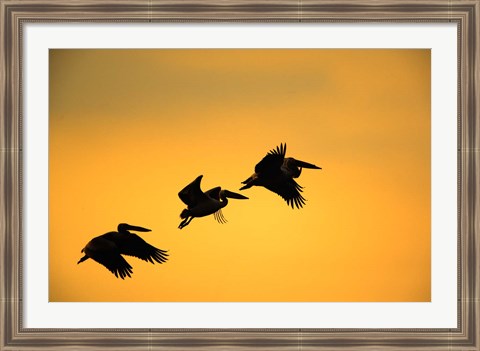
(129, 129)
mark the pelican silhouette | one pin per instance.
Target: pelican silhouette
(276, 172)
(107, 249)
(201, 204)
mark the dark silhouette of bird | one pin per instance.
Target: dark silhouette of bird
(201, 204)
(276, 172)
(107, 249)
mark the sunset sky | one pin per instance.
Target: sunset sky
(128, 129)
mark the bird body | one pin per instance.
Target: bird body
(107, 249)
(206, 208)
(201, 204)
(277, 172)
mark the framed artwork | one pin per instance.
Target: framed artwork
(117, 113)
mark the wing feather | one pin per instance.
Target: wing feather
(133, 245)
(272, 162)
(107, 254)
(290, 191)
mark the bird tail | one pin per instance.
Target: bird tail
(247, 185)
(185, 213)
(249, 182)
(83, 259)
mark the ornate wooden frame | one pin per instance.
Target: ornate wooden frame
(14, 14)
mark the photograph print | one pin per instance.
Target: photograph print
(239, 175)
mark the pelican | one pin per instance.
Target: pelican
(201, 204)
(107, 249)
(276, 172)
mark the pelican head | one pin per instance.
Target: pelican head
(124, 228)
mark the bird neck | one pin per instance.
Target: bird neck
(223, 200)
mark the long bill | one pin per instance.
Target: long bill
(125, 226)
(303, 164)
(232, 195)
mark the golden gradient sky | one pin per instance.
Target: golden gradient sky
(128, 129)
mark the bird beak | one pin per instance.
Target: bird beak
(306, 165)
(233, 195)
(136, 229)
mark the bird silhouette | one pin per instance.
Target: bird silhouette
(276, 172)
(201, 204)
(107, 249)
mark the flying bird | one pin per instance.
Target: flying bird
(201, 204)
(107, 249)
(276, 172)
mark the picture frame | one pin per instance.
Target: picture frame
(15, 14)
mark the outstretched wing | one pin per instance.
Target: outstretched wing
(133, 245)
(290, 191)
(272, 162)
(107, 254)
(191, 195)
